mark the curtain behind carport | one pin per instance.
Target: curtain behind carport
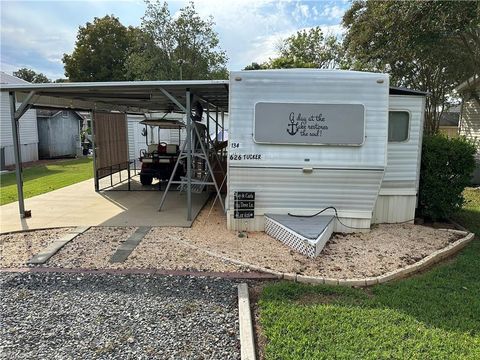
(111, 142)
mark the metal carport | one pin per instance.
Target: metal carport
(135, 97)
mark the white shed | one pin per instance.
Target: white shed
(28, 127)
(304, 140)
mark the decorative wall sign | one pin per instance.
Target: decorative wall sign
(244, 204)
(309, 124)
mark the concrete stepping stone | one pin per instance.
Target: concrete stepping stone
(126, 248)
(43, 256)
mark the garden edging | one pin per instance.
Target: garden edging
(426, 262)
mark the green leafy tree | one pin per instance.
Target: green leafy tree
(305, 49)
(425, 45)
(101, 50)
(31, 76)
(309, 48)
(170, 48)
(255, 66)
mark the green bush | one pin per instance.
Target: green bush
(447, 166)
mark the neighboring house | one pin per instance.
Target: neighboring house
(449, 122)
(59, 133)
(27, 128)
(469, 125)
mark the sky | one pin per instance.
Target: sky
(36, 33)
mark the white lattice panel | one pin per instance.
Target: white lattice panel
(289, 237)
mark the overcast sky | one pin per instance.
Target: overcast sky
(36, 34)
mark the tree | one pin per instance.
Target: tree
(169, 48)
(310, 48)
(255, 66)
(305, 49)
(31, 76)
(426, 45)
(101, 50)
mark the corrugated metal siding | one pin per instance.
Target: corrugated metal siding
(28, 124)
(403, 161)
(59, 135)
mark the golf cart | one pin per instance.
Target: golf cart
(159, 158)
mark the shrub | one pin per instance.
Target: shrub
(447, 166)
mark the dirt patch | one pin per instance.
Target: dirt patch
(17, 249)
(385, 248)
(159, 249)
(255, 291)
(92, 249)
(163, 248)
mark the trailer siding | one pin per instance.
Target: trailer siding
(398, 194)
(347, 177)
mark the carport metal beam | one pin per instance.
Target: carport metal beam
(175, 101)
(15, 116)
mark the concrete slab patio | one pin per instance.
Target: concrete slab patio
(80, 205)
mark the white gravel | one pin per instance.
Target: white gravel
(385, 248)
(16, 249)
(100, 316)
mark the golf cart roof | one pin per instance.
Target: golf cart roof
(164, 123)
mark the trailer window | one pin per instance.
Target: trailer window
(398, 124)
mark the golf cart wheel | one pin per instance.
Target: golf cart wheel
(146, 180)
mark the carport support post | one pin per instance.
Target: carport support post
(216, 124)
(94, 153)
(208, 120)
(189, 156)
(18, 156)
(223, 131)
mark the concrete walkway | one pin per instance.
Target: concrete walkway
(80, 205)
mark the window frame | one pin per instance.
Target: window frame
(408, 126)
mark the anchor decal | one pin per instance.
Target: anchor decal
(293, 125)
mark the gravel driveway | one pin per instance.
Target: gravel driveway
(101, 316)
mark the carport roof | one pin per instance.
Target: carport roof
(125, 96)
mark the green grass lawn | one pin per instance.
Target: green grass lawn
(44, 178)
(435, 315)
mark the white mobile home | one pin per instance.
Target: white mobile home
(300, 141)
(304, 140)
(28, 127)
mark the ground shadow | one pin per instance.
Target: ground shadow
(140, 208)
